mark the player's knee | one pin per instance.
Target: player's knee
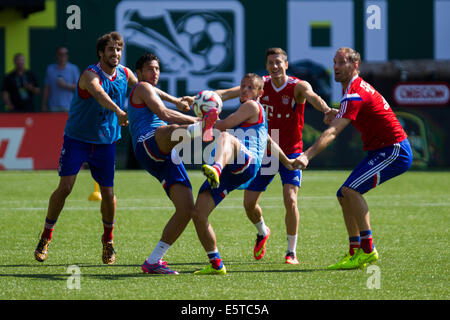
(195, 214)
(186, 210)
(172, 127)
(345, 192)
(108, 194)
(290, 201)
(182, 217)
(291, 207)
(225, 136)
(167, 132)
(64, 189)
(198, 217)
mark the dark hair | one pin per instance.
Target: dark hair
(19, 54)
(104, 39)
(271, 51)
(61, 47)
(145, 58)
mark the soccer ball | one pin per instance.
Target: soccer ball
(206, 100)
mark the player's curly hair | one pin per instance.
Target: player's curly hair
(104, 39)
(145, 58)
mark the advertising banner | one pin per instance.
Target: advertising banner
(31, 140)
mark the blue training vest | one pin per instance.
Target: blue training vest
(90, 122)
(254, 136)
(143, 122)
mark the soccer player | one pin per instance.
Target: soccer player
(93, 127)
(237, 158)
(284, 100)
(153, 144)
(389, 154)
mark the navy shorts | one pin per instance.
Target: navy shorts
(379, 166)
(100, 157)
(266, 174)
(161, 166)
(234, 176)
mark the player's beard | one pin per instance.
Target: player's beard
(111, 65)
(107, 62)
(337, 78)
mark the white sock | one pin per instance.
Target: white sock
(261, 227)
(158, 253)
(292, 243)
(195, 129)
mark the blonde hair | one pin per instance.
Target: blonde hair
(256, 78)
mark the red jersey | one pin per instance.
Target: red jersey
(284, 114)
(371, 115)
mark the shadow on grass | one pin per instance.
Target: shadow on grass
(138, 274)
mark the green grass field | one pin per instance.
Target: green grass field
(410, 221)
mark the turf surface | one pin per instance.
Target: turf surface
(410, 221)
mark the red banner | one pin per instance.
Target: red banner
(31, 140)
(422, 94)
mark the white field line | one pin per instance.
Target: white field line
(231, 203)
(231, 198)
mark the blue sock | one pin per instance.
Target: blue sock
(216, 261)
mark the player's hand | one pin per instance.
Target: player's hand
(290, 164)
(301, 162)
(182, 105)
(122, 118)
(330, 115)
(188, 99)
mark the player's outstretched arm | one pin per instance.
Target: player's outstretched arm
(304, 90)
(323, 141)
(330, 116)
(91, 82)
(224, 94)
(275, 150)
(245, 113)
(227, 94)
(146, 93)
(181, 103)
